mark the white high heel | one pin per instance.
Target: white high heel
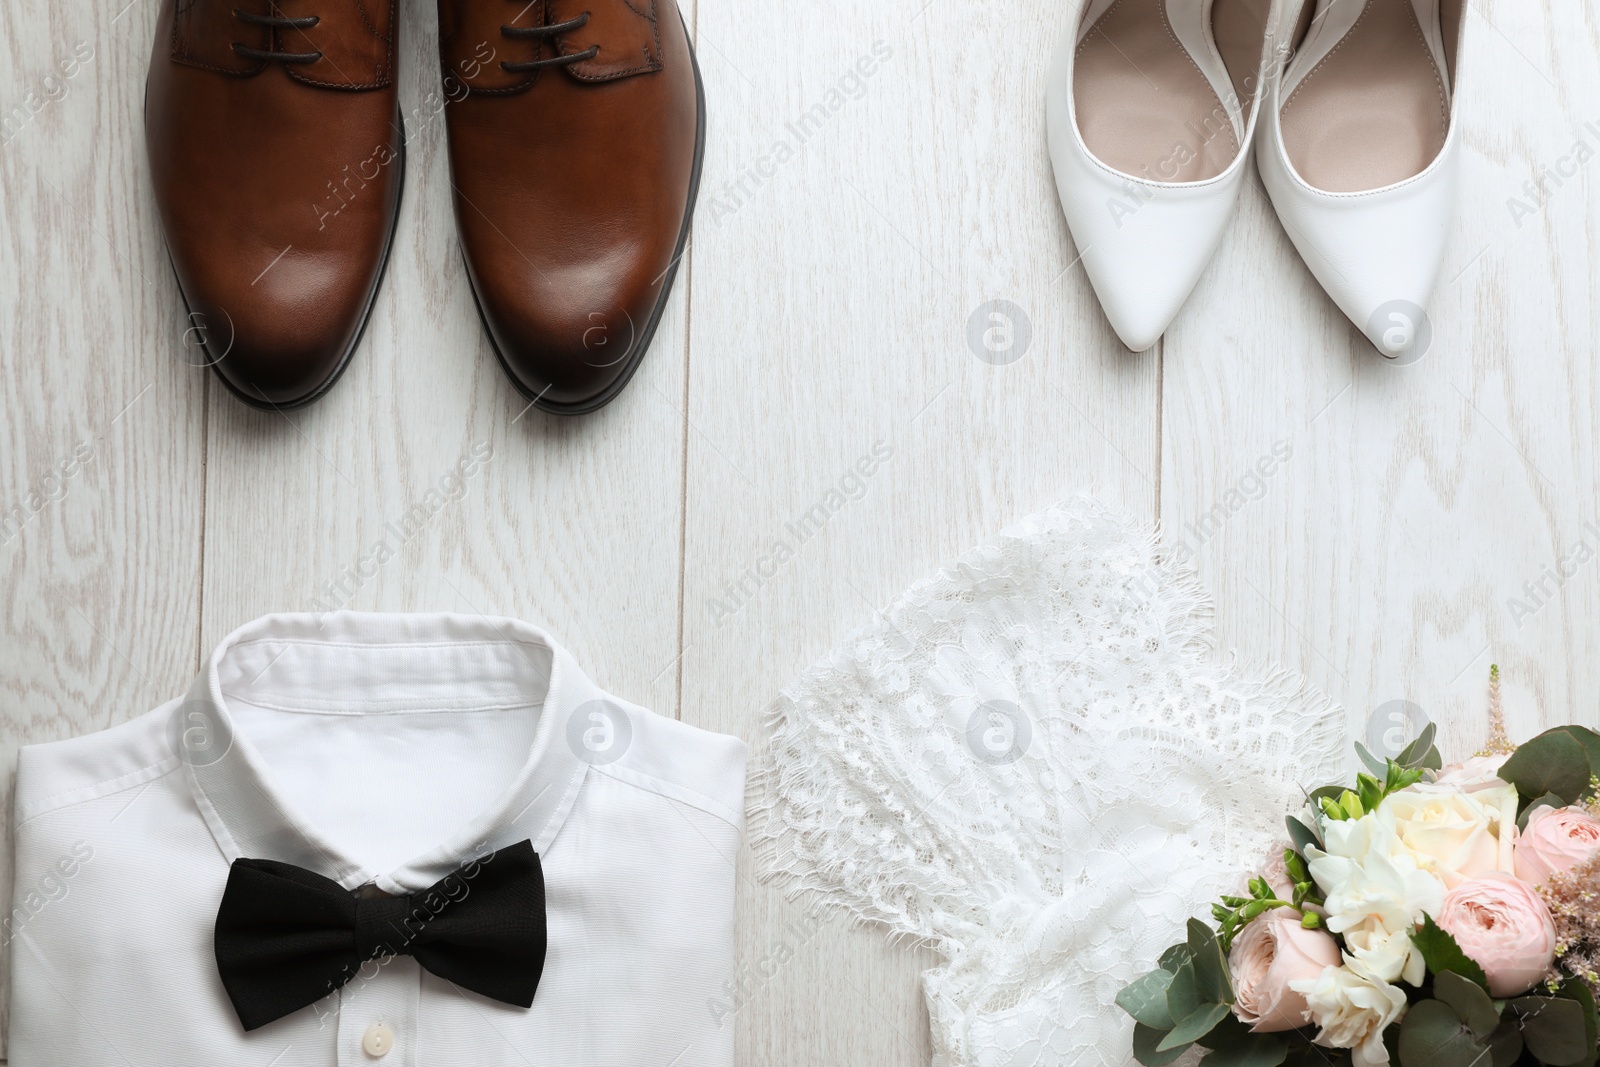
(1359, 152)
(1150, 106)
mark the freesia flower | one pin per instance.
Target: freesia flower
(1375, 894)
(1353, 1007)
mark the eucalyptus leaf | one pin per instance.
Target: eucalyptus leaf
(1548, 800)
(1415, 754)
(1196, 1026)
(1554, 1029)
(1470, 1001)
(1145, 999)
(1183, 994)
(1505, 1044)
(1262, 1050)
(1554, 762)
(1441, 953)
(1577, 990)
(1210, 964)
(1374, 764)
(1303, 836)
(1145, 1040)
(1228, 1033)
(1432, 1035)
(1173, 958)
(1590, 742)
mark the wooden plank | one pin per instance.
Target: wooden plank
(1382, 558)
(872, 181)
(101, 429)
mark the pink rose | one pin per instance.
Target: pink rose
(1270, 952)
(1479, 772)
(1556, 840)
(1504, 926)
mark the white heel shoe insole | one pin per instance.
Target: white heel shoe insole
(1374, 109)
(1142, 104)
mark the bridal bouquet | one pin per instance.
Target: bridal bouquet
(1432, 916)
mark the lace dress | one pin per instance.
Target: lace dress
(1032, 762)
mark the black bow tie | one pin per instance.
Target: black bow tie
(287, 937)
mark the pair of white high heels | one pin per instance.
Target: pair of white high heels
(1153, 103)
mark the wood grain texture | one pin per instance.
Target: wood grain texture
(876, 175)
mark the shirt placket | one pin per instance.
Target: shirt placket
(378, 1012)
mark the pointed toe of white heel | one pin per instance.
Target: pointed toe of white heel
(1377, 254)
(1363, 170)
(1149, 156)
(1143, 246)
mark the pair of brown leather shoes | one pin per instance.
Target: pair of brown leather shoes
(277, 151)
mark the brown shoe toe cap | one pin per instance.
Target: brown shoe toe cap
(573, 350)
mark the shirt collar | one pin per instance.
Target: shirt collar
(249, 818)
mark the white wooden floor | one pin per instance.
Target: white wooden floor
(823, 311)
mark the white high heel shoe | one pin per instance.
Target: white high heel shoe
(1150, 106)
(1359, 151)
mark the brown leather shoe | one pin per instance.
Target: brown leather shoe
(576, 129)
(277, 155)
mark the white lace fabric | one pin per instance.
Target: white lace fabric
(1033, 762)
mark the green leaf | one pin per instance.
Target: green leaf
(1577, 990)
(1374, 764)
(1416, 753)
(1441, 953)
(1183, 994)
(1145, 1042)
(1173, 958)
(1554, 1029)
(1432, 1036)
(1591, 744)
(1554, 762)
(1210, 965)
(1195, 1027)
(1260, 1050)
(1145, 999)
(1549, 799)
(1302, 835)
(1470, 1001)
(1505, 1044)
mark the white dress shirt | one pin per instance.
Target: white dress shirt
(387, 750)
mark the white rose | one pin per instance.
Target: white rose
(1456, 835)
(1376, 893)
(1353, 1008)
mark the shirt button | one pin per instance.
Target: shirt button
(377, 1042)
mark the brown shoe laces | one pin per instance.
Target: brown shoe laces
(523, 32)
(276, 22)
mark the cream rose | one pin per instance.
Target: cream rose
(1353, 1007)
(1453, 834)
(1271, 952)
(1555, 841)
(1502, 924)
